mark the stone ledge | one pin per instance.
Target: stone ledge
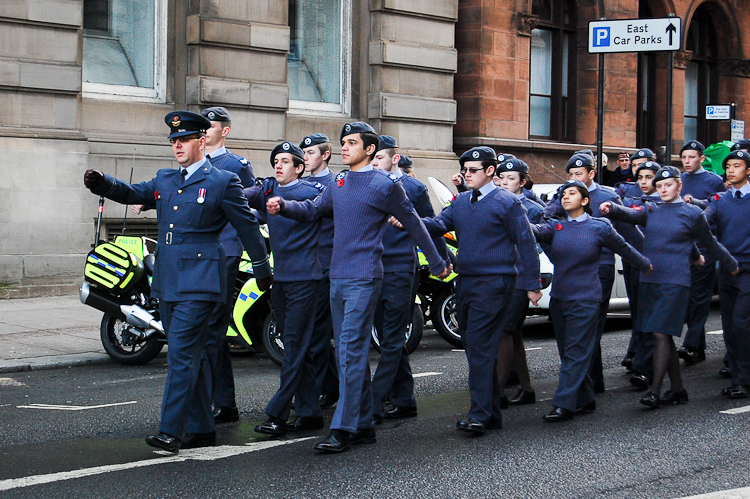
(415, 56)
(45, 76)
(66, 13)
(202, 89)
(411, 108)
(436, 9)
(237, 34)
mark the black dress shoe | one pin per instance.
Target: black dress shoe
(377, 418)
(692, 356)
(523, 397)
(336, 441)
(226, 415)
(558, 414)
(740, 392)
(627, 362)
(195, 440)
(495, 424)
(671, 397)
(304, 423)
(599, 387)
(327, 401)
(504, 402)
(164, 441)
(587, 408)
(273, 426)
(399, 411)
(651, 399)
(472, 426)
(724, 372)
(366, 436)
(640, 381)
(726, 391)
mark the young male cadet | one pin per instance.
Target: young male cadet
(630, 188)
(193, 205)
(317, 150)
(460, 182)
(395, 306)
(361, 202)
(581, 167)
(493, 230)
(698, 184)
(295, 292)
(728, 213)
(741, 145)
(217, 348)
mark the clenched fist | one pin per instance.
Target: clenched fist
(93, 179)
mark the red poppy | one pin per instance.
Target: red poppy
(558, 227)
(156, 194)
(340, 182)
(716, 197)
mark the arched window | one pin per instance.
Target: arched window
(701, 77)
(553, 63)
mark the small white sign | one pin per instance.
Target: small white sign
(635, 35)
(738, 130)
(718, 112)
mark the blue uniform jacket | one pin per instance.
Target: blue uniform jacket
(241, 167)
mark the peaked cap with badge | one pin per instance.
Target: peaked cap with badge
(184, 123)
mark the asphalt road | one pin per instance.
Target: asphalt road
(87, 441)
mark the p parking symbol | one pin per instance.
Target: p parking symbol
(601, 37)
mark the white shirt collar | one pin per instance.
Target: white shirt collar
(325, 171)
(193, 168)
(582, 218)
(219, 152)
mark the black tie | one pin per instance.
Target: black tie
(737, 194)
(475, 196)
(184, 174)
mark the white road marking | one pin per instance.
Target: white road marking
(52, 407)
(533, 348)
(737, 410)
(202, 454)
(422, 375)
(743, 493)
(715, 332)
(458, 350)
(10, 382)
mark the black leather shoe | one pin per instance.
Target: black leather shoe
(558, 414)
(523, 397)
(327, 401)
(671, 397)
(195, 440)
(336, 441)
(640, 381)
(599, 387)
(473, 426)
(226, 415)
(304, 423)
(586, 409)
(726, 391)
(740, 392)
(627, 362)
(164, 441)
(495, 424)
(504, 402)
(691, 356)
(401, 412)
(724, 372)
(273, 426)
(377, 418)
(651, 399)
(366, 436)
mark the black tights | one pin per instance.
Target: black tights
(666, 361)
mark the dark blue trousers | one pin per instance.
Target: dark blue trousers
(632, 283)
(292, 303)
(701, 291)
(734, 300)
(481, 302)
(186, 405)
(607, 279)
(217, 348)
(353, 304)
(575, 325)
(393, 375)
(321, 350)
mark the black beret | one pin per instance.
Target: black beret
(356, 127)
(287, 147)
(739, 154)
(216, 113)
(741, 144)
(504, 157)
(512, 165)
(480, 153)
(693, 145)
(648, 165)
(387, 142)
(666, 172)
(580, 161)
(404, 161)
(183, 123)
(314, 140)
(643, 153)
(573, 183)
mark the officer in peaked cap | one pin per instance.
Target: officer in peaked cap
(193, 205)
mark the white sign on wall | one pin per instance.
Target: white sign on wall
(635, 35)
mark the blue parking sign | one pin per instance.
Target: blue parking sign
(601, 37)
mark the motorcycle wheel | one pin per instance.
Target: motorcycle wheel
(273, 344)
(443, 315)
(137, 354)
(413, 332)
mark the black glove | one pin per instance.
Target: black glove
(93, 179)
(264, 283)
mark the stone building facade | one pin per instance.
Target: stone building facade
(86, 84)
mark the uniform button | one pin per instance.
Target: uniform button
(174, 208)
(179, 191)
(199, 255)
(171, 226)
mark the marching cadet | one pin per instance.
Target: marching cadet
(317, 149)
(395, 306)
(728, 213)
(670, 230)
(460, 182)
(741, 145)
(493, 230)
(295, 291)
(698, 184)
(217, 348)
(406, 165)
(193, 205)
(631, 187)
(512, 175)
(575, 246)
(361, 202)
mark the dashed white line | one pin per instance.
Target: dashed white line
(715, 332)
(736, 410)
(422, 375)
(52, 407)
(533, 348)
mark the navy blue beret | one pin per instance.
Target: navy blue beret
(667, 172)
(694, 145)
(580, 161)
(387, 142)
(741, 144)
(504, 157)
(586, 152)
(404, 161)
(287, 147)
(643, 153)
(481, 153)
(512, 165)
(648, 165)
(573, 183)
(738, 154)
(314, 140)
(216, 114)
(183, 123)
(356, 127)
